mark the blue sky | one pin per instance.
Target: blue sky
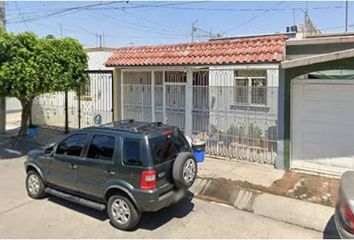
(148, 23)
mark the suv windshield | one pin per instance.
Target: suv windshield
(167, 146)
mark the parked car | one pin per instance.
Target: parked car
(126, 167)
(344, 215)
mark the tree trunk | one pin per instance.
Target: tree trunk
(26, 111)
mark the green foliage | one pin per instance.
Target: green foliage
(254, 131)
(236, 131)
(31, 66)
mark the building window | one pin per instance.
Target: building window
(250, 87)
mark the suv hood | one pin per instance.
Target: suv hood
(35, 153)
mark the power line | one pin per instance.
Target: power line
(21, 15)
(335, 27)
(235, 9)
(93, 7)
(253, 18)
(165, 27)
(134, 26)
(63, 11)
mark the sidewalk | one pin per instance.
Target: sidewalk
(269, 192)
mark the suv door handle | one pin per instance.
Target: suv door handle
(110, 172)
(72, 166)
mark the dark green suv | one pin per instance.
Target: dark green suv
(126, 167)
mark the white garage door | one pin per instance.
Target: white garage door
(322, 125)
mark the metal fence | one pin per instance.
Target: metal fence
(94, 102)
(234, 111)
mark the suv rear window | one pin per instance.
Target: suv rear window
(166, 147)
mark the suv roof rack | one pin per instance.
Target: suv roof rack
(136, 129)
(130, 125)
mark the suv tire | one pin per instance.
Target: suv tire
(184, 170)
(122, 213)
(34, 185)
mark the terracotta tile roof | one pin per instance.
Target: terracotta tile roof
(260, 49)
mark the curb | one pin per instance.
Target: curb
(301, 213)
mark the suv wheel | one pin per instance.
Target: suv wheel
(34, 185)
(122, 213)
(184, 170)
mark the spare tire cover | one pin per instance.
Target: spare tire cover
(184, 170)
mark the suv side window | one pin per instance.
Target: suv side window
(73, 145)
(132, 152)
(101, 147)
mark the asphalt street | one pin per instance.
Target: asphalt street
(22, 217)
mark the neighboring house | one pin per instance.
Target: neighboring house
(94, 102)
(223, 91)
(316, 99)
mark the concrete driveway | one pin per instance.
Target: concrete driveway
(21, 217)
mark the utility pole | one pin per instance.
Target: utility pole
(103, 40)
(306, 22)
(2, 98)
(99, 36)
(346, 16)
(61, 30)
(194, 29)
(306, 19)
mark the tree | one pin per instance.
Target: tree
(31, 66)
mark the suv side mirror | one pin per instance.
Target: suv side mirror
(49, 151)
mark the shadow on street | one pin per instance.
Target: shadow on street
(11, 147)
(149, 220)
(154, 220)
(330, 231)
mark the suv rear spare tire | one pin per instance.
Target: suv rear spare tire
(184, 170)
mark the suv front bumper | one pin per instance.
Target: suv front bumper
(148, 204)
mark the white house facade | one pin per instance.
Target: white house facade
(222, 91)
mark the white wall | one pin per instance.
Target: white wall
(13, 105)
(97, 59)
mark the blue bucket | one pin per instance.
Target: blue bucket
(199, 151)
(199, 155)
(32, 132)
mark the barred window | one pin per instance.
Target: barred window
(250, 87)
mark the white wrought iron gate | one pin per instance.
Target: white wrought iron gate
(175, 95)
(233, 110)
(94, 102)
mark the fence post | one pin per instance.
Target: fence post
(66, 113)
(79, 108)
(152, 92)
(189, 103)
